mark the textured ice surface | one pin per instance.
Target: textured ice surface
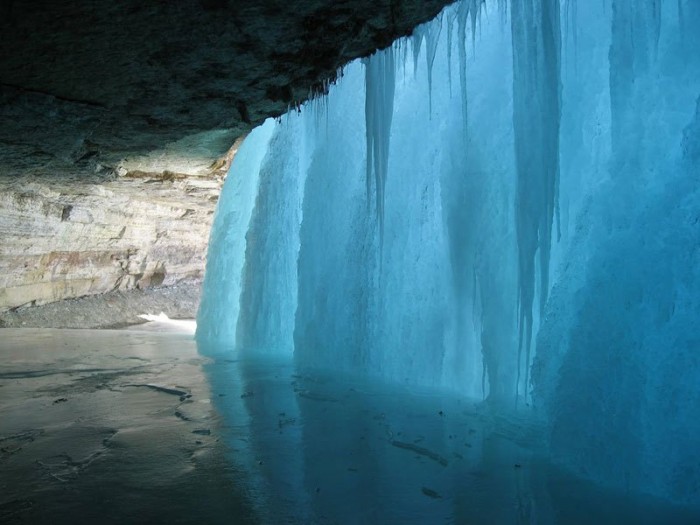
(98, 426)
(532, 239)
(135, 427)
(336, 448)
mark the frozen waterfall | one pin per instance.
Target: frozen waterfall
(531, 239)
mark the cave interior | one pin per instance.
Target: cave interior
(396, 261)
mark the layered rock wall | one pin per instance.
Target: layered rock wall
(65, 239)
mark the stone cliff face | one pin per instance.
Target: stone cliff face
(70, 239)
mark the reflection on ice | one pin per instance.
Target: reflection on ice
(109, 427)
(320, 448)
(135, 427)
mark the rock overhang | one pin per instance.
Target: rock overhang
(101, 88)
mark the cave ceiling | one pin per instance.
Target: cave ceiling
(99, 88)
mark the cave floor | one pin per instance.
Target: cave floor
(141, 426)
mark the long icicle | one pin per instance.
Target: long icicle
(462, 13)
(432, 34)
(536, 34)
(380, 83)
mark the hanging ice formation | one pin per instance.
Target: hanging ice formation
(429, 32)
(380, 78)
(536, 116)
(541, 246)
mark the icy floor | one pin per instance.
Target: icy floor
(138, 426)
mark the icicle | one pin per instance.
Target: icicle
(565, 29)
(403, 44)
(462, 13)
(416, 41)
(681, 23)
(432, 34)
(450, 20)
(656, 18)
(474, 12)
(635, 36)
(574, 27)
(467, 9)
(570, 27)
(503, 9)
(536, 116)
(380, 81)
(429, 32)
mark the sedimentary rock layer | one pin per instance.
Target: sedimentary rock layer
(70, 239)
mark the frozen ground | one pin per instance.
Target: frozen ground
(141, 427)
(109, 427)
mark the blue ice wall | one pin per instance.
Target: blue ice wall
(617, 371)
(505, 205)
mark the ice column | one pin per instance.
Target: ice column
(461, 284)
(337, 236)
(536, 117)
(617, 368)
(269, 279)
(218, 313)
(380, 78)
(635, 39)
(467, 10)
(431, 33)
